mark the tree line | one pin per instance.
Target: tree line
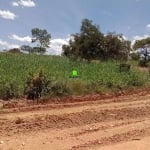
(39, 36)
(90, 43)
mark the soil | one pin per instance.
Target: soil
(91, 122)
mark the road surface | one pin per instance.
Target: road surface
(121, 122)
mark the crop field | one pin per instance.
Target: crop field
(93, 77)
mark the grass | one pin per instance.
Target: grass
(93, 77)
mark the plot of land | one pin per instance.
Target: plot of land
(107, 124)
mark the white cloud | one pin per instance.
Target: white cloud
(148, 26)
(21, 39)
(56, 45)
(6, 14)
(24, 3)
(124, 37)
(15, 4)
(140, 37)
(6, 45)
(137, 37)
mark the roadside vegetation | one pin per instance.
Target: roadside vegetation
(102, 76)
(96, 57)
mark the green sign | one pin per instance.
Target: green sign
(74, 73)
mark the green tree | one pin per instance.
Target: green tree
(14, 50)
(90, 44)
(38, 50)
(87, 44)
(42, 37)
(116, 47)
(141, 43)
(26, 48)
(66, 50)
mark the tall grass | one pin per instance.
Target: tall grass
(14, 69)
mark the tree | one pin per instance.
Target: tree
(90, 44)
(92, 39)
(116, 47)
(14, 50)
(126, 49)
(141, 43)
(38, 49)
(66, 50)
(26, 48)
(87, 44)
(42, 37)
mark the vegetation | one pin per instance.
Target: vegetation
(14, 50)
(37, 85)
(27, 48)
(20, 74)
(134, 56)
(93, 77)
(42, 37)
(91, 44)
(141, 43)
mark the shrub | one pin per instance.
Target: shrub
(134, 56)
(9, 91)
(37, 85)
(59, 89)
(78, 87)
(135, 80)
(143, 63)
(95, 86)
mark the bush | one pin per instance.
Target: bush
(9, 91)
(95, 86)
(134, 56)
(135, 80)
(37, 85)
(78, 87)
(59, 89)
(143, 63)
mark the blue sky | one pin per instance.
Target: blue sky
(61, 18)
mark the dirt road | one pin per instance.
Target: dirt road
(103, 124)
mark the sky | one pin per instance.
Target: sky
(61, 18)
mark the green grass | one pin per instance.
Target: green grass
(93, 77)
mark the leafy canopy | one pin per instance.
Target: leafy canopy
(90, 43)
(41, 36)
(141, 43)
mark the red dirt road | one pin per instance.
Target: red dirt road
(96, 124)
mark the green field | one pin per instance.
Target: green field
(93, 77)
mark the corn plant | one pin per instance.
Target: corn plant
(93, 77)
